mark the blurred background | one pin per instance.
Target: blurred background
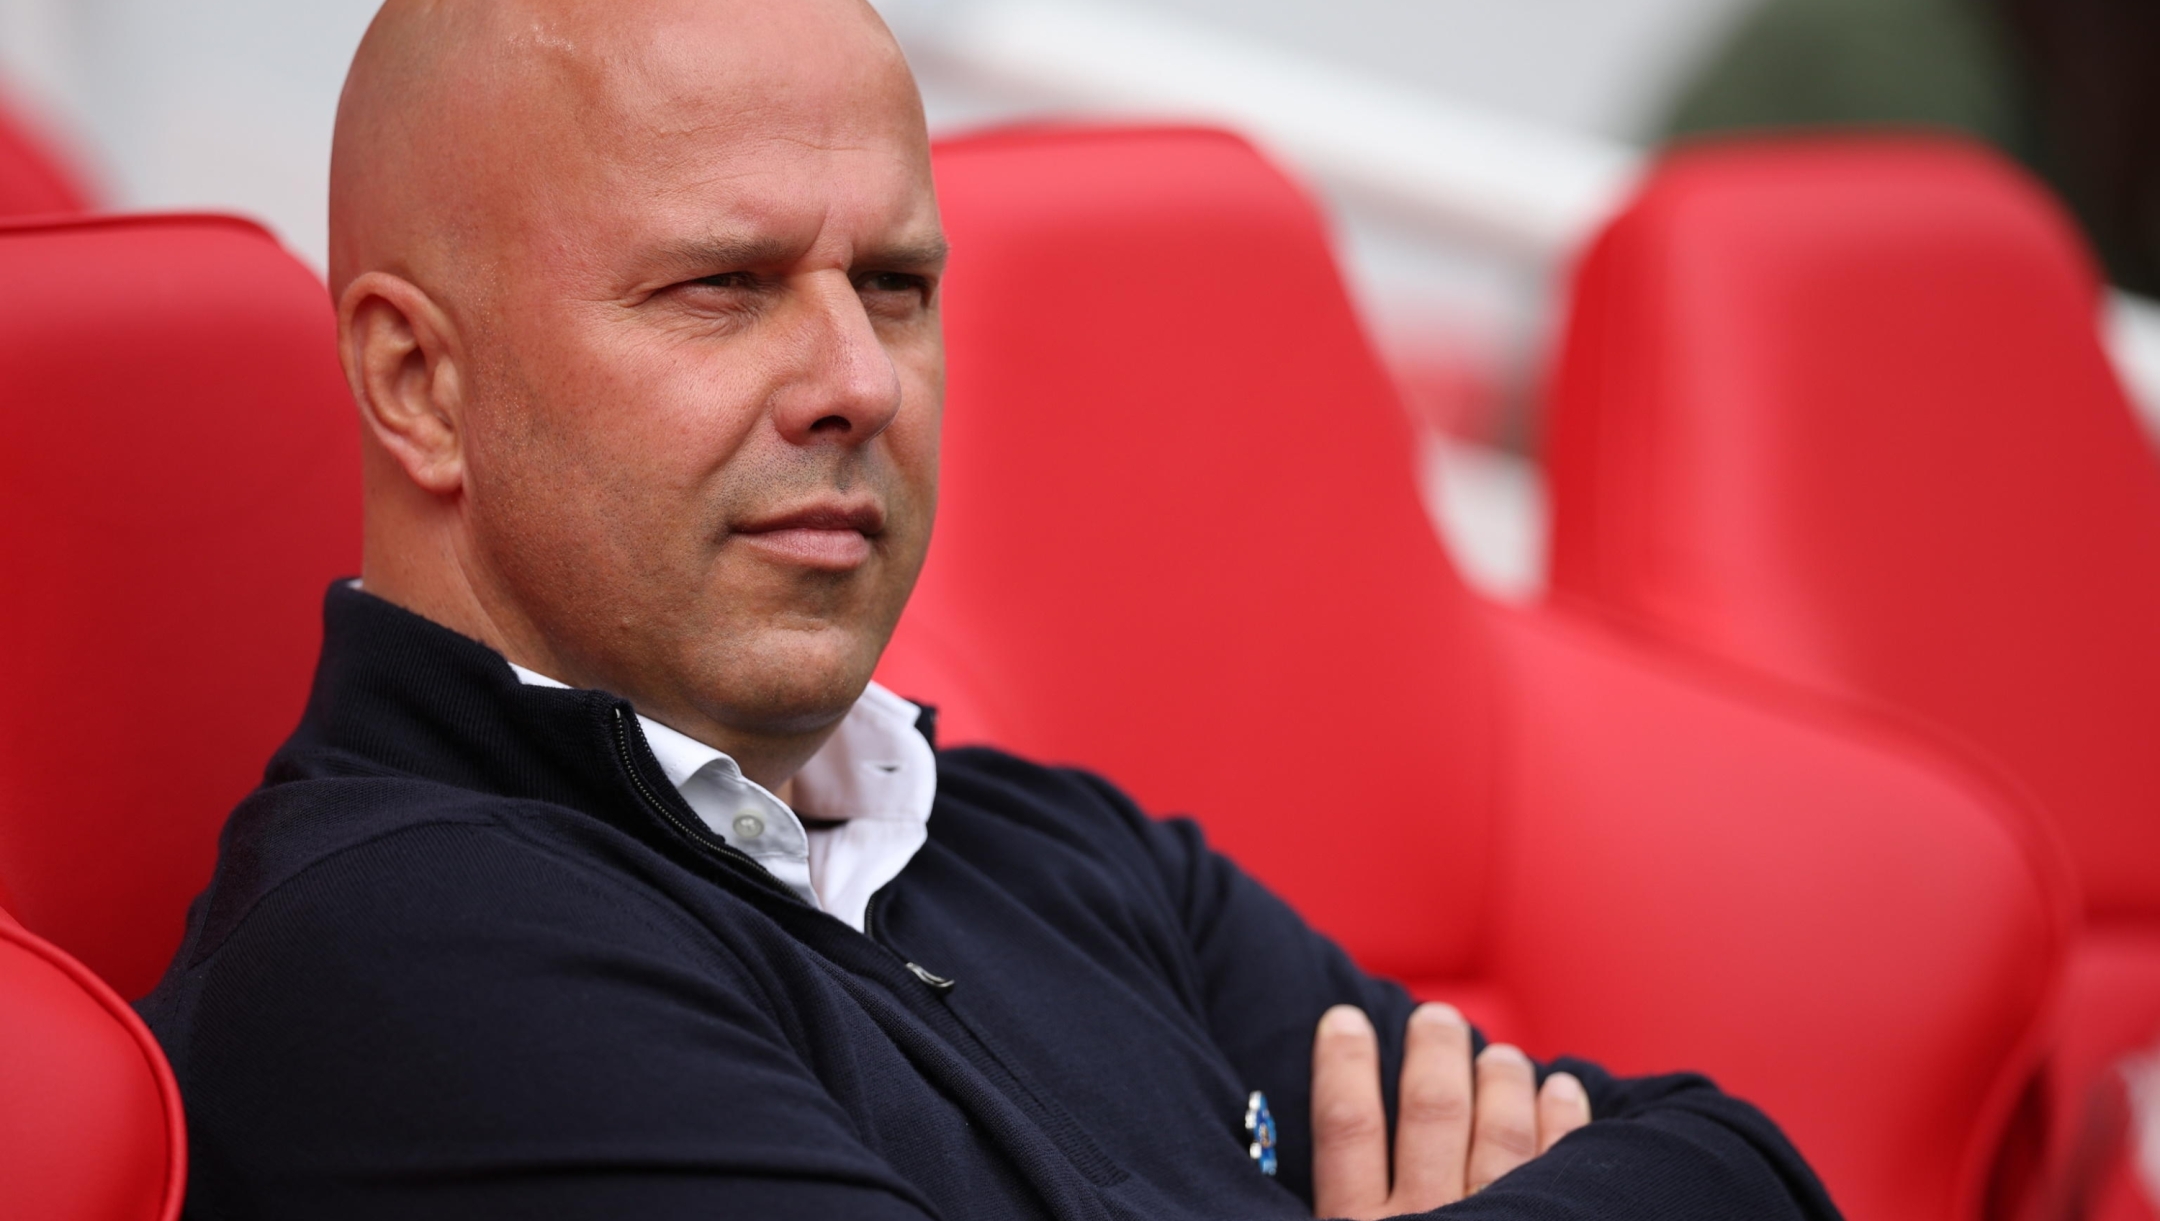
(1466, 151)
(1466, 148)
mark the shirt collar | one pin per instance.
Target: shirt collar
(875, 765)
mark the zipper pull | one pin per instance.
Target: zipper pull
(937, 982)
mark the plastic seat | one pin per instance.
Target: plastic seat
(90, 1126)
(179, 482)
(1836, 412)
(1180, 542)
(33, 177)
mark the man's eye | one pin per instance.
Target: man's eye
(726, 279)
(893, 282)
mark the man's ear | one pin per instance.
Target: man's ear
(401, 359)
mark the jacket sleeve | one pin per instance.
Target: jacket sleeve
(1673, 1148)
(450, 1023)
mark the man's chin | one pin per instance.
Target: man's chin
(793, 686)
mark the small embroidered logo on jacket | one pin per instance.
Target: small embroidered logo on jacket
(1260, 1129)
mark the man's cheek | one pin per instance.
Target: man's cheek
(912, 446)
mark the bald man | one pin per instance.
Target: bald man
(599, 881)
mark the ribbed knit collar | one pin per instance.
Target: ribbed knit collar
(397, 693)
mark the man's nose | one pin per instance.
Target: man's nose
(844, 387)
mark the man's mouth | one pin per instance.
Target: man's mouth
(832, 536)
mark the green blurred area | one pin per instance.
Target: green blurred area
(2071, 88)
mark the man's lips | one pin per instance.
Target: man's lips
(833, 537)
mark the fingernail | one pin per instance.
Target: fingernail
(1504, 1051)
(1438, 1012)
(1345, 1019)
(1567, 1083)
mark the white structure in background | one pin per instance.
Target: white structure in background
(221, 105)
(1466, 147)
(1483, 178)
(2133, 334)
(2141, 1077)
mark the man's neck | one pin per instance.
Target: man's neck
(770, 761)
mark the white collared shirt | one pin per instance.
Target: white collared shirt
(876, 777)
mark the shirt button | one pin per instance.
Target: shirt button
(749, 826)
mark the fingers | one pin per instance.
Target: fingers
(1432, 1129)
(1505, 1133)
(1350, 1157)
(1462, 1124)
(1562, 1106)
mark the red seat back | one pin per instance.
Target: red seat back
(1839, 410)
(1066, 445)
(90, 1125)
(1836, 411)
(179, 481)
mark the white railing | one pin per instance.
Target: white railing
(1527, 187)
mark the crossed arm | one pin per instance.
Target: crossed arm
(1474, 1134)
(1465, 1119)
(455, 1022)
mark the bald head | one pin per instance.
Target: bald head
(638, 301)
(463, 121)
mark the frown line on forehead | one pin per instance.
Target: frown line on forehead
(733, 253)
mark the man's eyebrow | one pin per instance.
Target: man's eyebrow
(728, 254)
(930, 253)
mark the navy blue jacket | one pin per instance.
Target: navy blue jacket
(468, 955)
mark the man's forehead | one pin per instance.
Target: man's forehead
(736, 106)
(690, 68)
(747, 199)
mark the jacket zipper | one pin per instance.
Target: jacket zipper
(938, 983)
(742, 861)
(733, 857)
(1056, 1119)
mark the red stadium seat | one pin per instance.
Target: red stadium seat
(179, 481)
(1180, 543)
(1837, 412)
(90, 1126)
(33, 177)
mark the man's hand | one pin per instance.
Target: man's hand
(1453, 1136)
